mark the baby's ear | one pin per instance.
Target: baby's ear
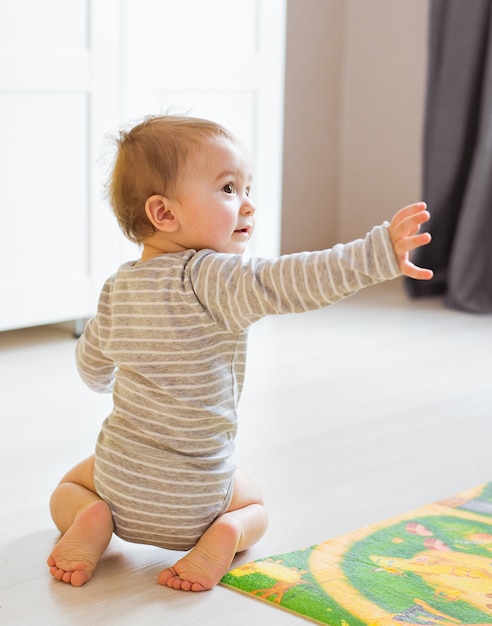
(157, 209)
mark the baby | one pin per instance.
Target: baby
(169, 342)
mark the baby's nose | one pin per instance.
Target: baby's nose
(248, 208)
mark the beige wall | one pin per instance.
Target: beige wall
(355, 83)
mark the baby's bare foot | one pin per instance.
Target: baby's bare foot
(76, 555)
(203, 567)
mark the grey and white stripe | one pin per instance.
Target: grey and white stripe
(169, 341)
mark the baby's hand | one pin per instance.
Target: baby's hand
(403, 230)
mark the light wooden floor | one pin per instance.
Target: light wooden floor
(349, 415)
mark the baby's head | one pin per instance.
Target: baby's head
(150, 160)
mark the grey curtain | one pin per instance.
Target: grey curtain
(457, 160)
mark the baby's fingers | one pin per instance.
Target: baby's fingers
(413, 271)
(408, 211)
(402, 249)
(405, 237)
(407, 244)
(408, 221)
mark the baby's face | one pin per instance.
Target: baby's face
(214, 208)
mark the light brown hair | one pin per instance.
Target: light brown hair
(149, 160)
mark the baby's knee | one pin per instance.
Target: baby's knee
(245, 491)
(82, 474)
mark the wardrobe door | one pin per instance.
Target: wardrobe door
(44, 79)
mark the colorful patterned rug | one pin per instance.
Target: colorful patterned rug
(431, 566)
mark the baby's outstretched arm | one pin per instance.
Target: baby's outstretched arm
(404, 232)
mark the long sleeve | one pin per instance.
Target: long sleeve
(238, 291)
(95, 369)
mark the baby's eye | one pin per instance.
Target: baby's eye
(248, 191)
(228, 188)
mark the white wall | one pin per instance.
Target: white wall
(313, 82)
(355, 85)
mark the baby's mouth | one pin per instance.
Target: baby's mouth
(246, 230)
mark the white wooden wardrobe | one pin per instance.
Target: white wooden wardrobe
(74, 71)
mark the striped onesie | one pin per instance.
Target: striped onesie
(169, 341)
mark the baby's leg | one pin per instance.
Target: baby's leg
(86, 523)
(239, 528)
